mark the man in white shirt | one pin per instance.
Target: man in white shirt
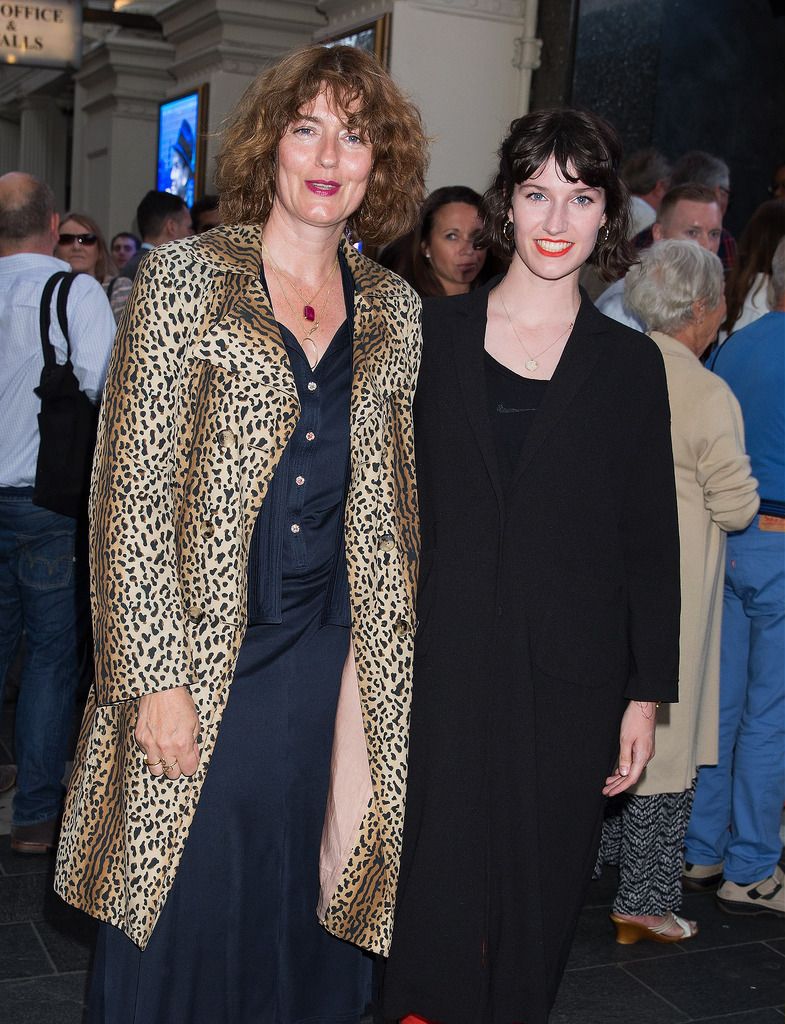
(688, 213)
(37, 547)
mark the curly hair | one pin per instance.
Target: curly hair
(247, 160)
(586, 149)
(105, 266)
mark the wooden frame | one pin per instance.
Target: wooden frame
(374, 37)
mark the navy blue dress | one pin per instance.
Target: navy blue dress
(238, 941)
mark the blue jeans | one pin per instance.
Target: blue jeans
(38, 596)
(738, 802)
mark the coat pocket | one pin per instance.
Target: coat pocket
(582, 637)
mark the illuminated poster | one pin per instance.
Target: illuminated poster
(181, 145)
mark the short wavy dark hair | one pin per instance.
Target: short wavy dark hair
(247, 161)
(586, 148)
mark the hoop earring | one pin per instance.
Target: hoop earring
(602, 235)
(508, 229)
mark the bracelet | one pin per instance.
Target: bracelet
(640, 704)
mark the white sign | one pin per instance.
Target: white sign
(41, 33)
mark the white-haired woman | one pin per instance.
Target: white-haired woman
(677, 289)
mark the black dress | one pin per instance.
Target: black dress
(548, 593)
(238, 941)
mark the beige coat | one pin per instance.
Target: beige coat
(199, 405)
(715, 493)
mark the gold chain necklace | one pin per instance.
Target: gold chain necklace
(309, 311)
(532, 363)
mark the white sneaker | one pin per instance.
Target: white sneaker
(701, 877)
(764, 897)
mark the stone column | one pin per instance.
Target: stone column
(43, 139)
(118, 89)
(9, 145)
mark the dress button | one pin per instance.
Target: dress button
(310, 436)
(312, 385)
(386, 542)
(295, 527)
(401, 627)
(195, 614)
(299, 480)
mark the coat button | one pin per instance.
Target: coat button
(209, 530)
(227, 438)
(387, 542)
(401, 627)
(195, 614)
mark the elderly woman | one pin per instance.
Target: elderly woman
(254, 537)
(677, 289)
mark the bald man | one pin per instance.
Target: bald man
(688, 213)
(37, 546)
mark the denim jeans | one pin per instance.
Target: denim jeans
(38, 596)
(738, 801)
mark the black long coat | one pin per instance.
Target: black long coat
(540, 611)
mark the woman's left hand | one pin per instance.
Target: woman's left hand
(636, 746)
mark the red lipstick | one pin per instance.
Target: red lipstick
(323, 188)
(552, 247)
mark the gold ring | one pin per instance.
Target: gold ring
(168, 766)
(153, 764)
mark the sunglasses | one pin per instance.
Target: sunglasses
(68, 239)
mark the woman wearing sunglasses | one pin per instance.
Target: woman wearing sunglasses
(83, 247)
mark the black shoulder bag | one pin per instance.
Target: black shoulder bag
(67, 421)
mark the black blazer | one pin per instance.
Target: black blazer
(589, 519)
(540, 610)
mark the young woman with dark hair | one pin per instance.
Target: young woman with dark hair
(548, 599)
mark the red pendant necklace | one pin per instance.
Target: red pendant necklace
(309, 310)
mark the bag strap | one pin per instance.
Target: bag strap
(45, 317)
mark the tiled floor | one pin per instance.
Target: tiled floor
(733, 972)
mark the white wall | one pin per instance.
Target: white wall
(457, 66)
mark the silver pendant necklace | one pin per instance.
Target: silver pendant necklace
(532, 362)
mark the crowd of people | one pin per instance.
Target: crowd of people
(417, 525)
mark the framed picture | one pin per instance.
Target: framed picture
(182, 126)
(373, 37)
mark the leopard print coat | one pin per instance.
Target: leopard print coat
(199, 404)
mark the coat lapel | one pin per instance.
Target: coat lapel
(469, 354)
(246, 340)
(370, 343)
(581, 353)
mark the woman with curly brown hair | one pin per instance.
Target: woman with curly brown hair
(254, 551)
(548, 596)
